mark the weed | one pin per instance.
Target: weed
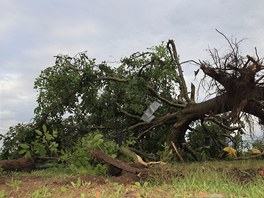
(41, 193)
(14, 183)
(83, 195)
(63, 189)
(140, 185)
(3, 194)
(79, 183)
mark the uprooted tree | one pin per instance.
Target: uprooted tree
(77, 96)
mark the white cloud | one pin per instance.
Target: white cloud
(15, 100)
(7, 82)
(5, 113)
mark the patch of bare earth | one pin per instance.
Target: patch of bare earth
(24, 186)
(29, 184)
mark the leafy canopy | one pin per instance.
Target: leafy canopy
(78, 95)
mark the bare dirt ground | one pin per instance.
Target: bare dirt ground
(70, 186)
(29, 185)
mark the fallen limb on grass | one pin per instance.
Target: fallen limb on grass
(132, 168)
(250, 157)
(21, 164)
(129, 152)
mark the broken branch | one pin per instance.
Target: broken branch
(177, 152)
(183, 87)
(164, 99)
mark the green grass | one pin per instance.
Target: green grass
(212, 178)
(3, 194)
(41, 193)
(207, 179)
(14, 183)
(220, 177)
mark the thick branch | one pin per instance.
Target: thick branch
(183, 87)
(256, 66)
(219, 75)
(22, 164)
(115, 162)
(196, 111)
(253, 109)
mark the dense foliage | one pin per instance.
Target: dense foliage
(78, 95)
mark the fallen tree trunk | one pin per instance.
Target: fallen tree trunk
(21, 164)
(117, 163)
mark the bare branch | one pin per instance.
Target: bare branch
(256, 52)
(111, 78)
(183, 87)
(223, 125)
(149, 129)
(250, 157)
(136, 125)
(144, 66)
(166, 119)
(192, 92)
(230, 44)
(164, 99)
(260, 78)
(189, 61)
(128, 114)
(177, 152)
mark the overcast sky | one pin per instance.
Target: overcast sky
(32, 32)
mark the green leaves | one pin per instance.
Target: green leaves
(97, 141)
(77, 158)
(43, 145)
(24, 146)
(38, 132)
(44, 128)
(39, 149)
(25, 150)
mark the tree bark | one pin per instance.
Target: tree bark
(117, 163)
(197, 111)
(22, 164)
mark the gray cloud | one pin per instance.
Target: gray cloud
(32, 32)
